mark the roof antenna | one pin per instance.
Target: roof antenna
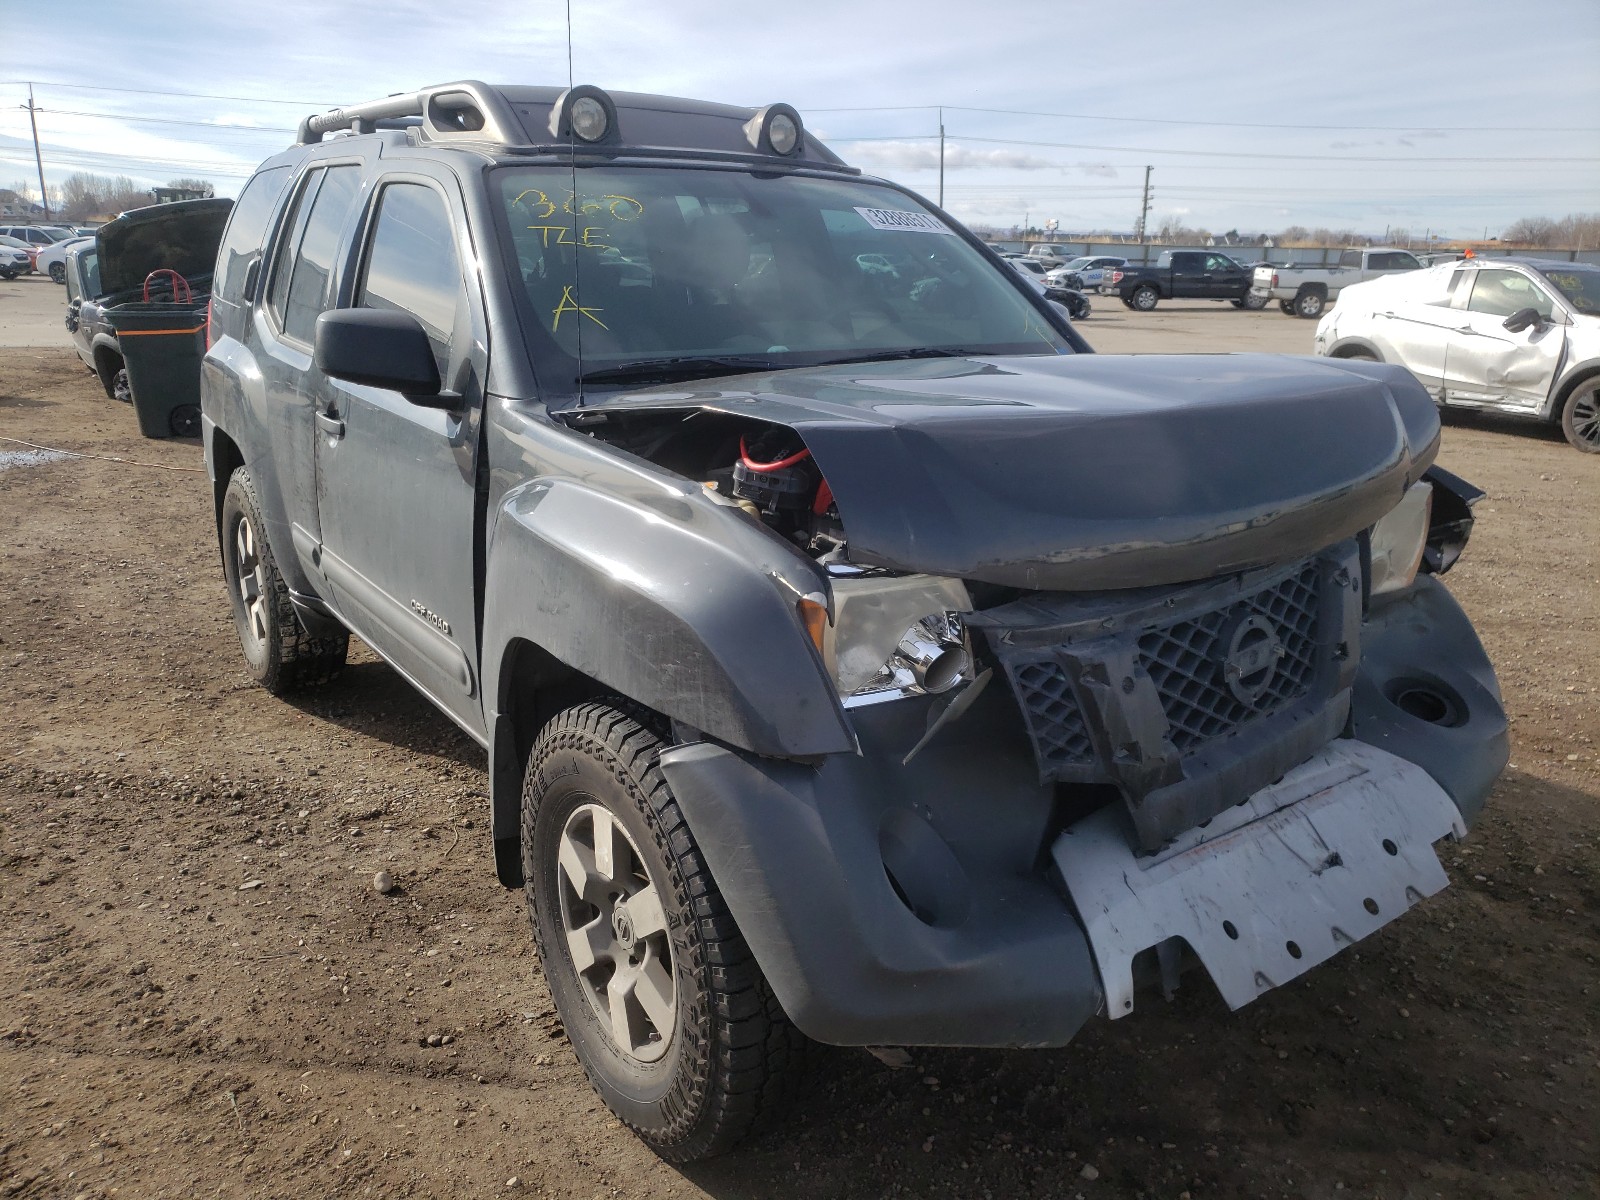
(573, 206)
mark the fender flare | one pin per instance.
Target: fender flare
(690, 617)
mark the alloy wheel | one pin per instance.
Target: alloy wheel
(616, 934)
(250, 579)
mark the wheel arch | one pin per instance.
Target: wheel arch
(1312, 286)
(1350, 347)
(107, 360)
(224, 458)
(534, 686)
(1577, 376)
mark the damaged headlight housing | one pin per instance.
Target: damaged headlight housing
(1398, 540)
(895, 636)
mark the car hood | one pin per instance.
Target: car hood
(181, 237)
(1090, 470)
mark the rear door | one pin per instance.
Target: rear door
(304, 271)
(1189, 276)
(395, 480)
(1488, 364)
(1413, 319)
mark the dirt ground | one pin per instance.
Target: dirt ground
(201, 994)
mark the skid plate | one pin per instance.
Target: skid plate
(1333, 851)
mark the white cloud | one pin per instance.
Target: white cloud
(924, 156)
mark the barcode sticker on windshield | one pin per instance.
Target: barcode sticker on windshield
(909, 222)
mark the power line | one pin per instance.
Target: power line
(91, 87)
(1417, 128)
(225, 126)
(1285, 157)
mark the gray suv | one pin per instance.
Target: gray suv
(857, 657)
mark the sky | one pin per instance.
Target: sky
(1456, 117)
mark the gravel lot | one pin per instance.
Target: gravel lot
(201, 994)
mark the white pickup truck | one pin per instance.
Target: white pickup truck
(1306, 291)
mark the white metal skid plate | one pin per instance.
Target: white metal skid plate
(1330, 853)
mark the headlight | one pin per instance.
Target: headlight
(1398, 540)
(897, 636)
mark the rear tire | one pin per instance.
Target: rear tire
(1309, 305)
(663, 1003)
(283, 656)
(1580, 416)
(58, 273)
(121, 389)
(1144, 298)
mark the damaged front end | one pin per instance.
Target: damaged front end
(1125, 689)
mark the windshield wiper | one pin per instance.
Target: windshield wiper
(683, 367)
(895, 355)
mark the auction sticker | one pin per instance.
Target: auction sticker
(909, 222)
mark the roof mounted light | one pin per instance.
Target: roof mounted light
(584, 112)
(776, 129)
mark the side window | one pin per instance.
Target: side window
(247, 228)
(91, 272)
(1220, 262)
(289, 241)
(1501, 293)
(1352, 258)
(313, 264)
(412, 265)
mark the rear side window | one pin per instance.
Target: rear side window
(247, 228)
(300, 280)
(1352, 258)
(412, 264)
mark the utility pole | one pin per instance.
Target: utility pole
(44, 196)
(1144, 205)
(941, 156)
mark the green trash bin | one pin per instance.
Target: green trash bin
(162, 344)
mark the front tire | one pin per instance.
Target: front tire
(121, 389)
(1286, 307)
(1145, 298)
(1580, 416)
(662, 1001)
(1252, 303)
(284, 657)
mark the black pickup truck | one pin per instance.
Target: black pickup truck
(1183, 275)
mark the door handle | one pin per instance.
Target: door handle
(330, 424)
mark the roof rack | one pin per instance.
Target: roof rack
(533, 119)
(466, 109)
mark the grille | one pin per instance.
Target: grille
(1053, 715)
(1185, 660)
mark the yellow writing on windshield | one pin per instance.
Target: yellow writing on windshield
(620, 208)
(563, 236)
(569, 304)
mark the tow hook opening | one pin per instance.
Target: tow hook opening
(1427, 700)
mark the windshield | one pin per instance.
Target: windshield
(1580, 285)
(647, 266)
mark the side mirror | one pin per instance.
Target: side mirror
(1523, 318)
(381, 348)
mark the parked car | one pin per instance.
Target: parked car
(1305, 291)
(1182, 275)
(1518, 335)
(855, 653)
(14, 262)
(37, 235)
(28, 251)
(1047, 254)
(52, 260)
(1087, 271)
(1075, 302)
(129, 259)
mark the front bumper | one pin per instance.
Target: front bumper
(958, 900)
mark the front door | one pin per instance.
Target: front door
(1488, 364)
(396, 480)
(1225, 279)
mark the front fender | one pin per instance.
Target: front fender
(677, 604)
